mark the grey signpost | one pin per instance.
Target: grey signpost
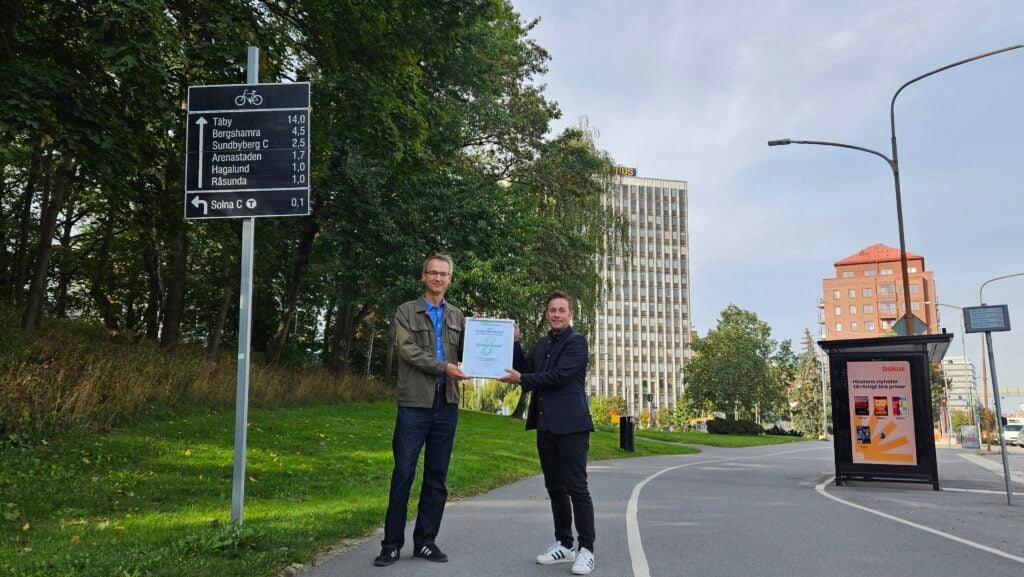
(986, 319)
(247, 156)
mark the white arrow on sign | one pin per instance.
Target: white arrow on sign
(201, 121)
(196, 202)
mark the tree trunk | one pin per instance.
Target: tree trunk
(67, 271)
(174, 302)
(369, 352)
(291, 299)
(107, 309)
(348, 318)
(37, 290)
(222, 313)
(517, 413)
(22, 257)
(151, 258)
(389, 355)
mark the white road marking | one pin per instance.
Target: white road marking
(821, 489)
(986, 491)
(636, 547)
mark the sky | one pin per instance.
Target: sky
(694, 90)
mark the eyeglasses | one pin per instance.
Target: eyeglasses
(436, 273)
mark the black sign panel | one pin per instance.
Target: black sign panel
(248, 138)
(990, 318)
(253, 203)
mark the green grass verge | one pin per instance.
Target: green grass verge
(733, 441)
(153, 498)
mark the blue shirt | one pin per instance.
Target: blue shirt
(436, 313)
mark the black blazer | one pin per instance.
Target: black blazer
(555, 373)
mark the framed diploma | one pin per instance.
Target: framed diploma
(488, 347)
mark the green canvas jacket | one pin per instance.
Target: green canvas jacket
(418, 365)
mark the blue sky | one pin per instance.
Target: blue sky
(694, 90)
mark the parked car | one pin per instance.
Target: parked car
(1013, 434)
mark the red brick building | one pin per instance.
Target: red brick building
(865, 298)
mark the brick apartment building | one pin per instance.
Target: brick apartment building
(865, 298)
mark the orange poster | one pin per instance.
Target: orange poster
(883, 433)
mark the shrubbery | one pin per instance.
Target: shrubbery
(734, 427)
(777, 430)
(73, 374)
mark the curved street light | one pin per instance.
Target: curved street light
(984, 367)
(894, 165)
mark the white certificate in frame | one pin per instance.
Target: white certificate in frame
(488, 347)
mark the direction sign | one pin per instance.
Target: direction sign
(986, 318)
(247, 150)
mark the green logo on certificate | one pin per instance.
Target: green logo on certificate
(487, 346)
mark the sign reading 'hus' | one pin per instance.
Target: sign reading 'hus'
(247, 150)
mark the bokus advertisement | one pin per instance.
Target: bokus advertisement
(881, 412)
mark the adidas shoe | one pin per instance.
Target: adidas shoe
(556, 554)
(430, 553)
(584, 562)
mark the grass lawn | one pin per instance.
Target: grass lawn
(153, 498)
(734, 441)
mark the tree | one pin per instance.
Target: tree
(738, 368)
(805, 400)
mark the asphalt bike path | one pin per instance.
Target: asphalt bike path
(762, 510)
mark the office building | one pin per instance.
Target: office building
(865, 298)
(642, 333)
(962, 379)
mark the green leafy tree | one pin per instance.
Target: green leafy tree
(805, 391)
(601, 409)
(738, 367)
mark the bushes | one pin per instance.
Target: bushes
(734, 427)
(73, 374)
(777, 430)
(601, 409)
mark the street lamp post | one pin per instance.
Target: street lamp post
(894, 165)
(984, 370)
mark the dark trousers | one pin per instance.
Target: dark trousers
(563, 458)
(414, 428)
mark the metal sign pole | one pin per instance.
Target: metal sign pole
(999, 418)
(244, 326)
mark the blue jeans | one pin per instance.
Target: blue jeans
(414, 427)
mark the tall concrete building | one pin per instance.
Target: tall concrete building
(962, 392)
(642, 336)
(865, 298)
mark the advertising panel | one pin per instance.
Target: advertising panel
(882, 415)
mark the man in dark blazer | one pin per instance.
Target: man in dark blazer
(555, 374)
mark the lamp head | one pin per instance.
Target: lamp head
(782, 142)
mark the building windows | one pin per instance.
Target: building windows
(839, 311)
(911, 269)
(869, 309)
(886, 289)
(870, 272)
(887, 307)
(852, 293)
(853, 309)
(915, 306)
(848, 274)
(886, 325)
(853, 327)
(885, 271)
(915, 288)
(835, 294)
(869, 325)
(839, 327)
(866, 292)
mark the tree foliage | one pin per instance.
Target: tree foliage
(805, 400)
(738, 368)
(429, 132)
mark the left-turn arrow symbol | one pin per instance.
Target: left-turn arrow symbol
(196, 202)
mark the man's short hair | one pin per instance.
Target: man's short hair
(557, 294)
(440, 256)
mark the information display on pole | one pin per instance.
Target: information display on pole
(247, 151)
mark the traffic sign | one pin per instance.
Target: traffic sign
(247, 151)
(918, 328)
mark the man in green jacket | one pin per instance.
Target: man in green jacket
(429, 334)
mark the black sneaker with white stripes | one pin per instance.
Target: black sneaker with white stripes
(387, 557)
(430, 553)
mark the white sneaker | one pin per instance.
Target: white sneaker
(584, 562)
(556, 554)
